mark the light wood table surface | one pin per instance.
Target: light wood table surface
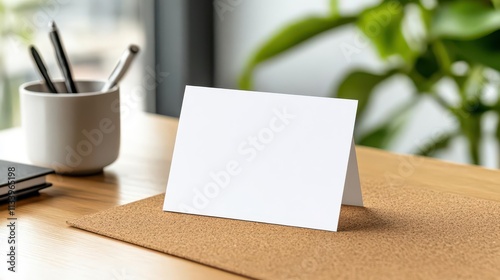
(50, 249)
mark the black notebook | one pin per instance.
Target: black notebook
(29, 179)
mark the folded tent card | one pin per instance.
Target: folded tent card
(264, 157)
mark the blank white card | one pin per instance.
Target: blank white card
(264, 157)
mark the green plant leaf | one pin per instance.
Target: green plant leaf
(334, 8)
(382, 135)
(359, 85)
(427, 64)
(404, 2)
(485, 50)
(382, 26)
(435, 145)
(496, 3)
(288, 38)
(497, 132)
(471, 127)
(465, 20)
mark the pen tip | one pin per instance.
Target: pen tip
(133, 48)
(32, 49)
(52, 25)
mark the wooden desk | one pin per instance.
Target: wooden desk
(49, 249)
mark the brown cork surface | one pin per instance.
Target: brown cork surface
(404, 232)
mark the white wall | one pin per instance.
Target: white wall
(317, 67)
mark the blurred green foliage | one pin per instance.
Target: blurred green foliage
(463, 32)
(14, 26)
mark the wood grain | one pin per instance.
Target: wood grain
(50, 249)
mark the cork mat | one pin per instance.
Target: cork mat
(403, 232)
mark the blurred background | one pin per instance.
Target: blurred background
(94, 34)
(425, 71)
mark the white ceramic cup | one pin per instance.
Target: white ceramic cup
(76, 134)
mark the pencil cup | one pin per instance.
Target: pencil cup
(77, 134)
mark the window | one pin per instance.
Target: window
(94, 33)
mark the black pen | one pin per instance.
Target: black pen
(41, 68)
(61, 58)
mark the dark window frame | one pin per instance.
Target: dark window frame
(184, 48)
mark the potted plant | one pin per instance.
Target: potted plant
(460, 44)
